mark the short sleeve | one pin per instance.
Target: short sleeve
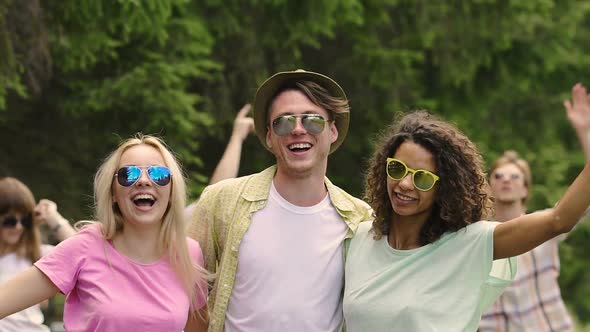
(501, 274)
(45, 249)
(62, 264)
(197, 258)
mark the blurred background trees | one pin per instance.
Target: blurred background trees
(75, 76)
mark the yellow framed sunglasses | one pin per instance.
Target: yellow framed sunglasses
(422, 179)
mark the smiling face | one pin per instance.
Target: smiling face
(406, 200)
(508, 184)
(300, 153)
(144, 203)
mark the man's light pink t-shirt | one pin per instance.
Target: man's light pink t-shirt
(107, 291)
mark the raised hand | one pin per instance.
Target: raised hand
(243, 125)
(578, 113)
(229, 164)
(46, 213)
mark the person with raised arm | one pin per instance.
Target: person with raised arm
(430, 261)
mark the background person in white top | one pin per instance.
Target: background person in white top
(275, 238)
(20, 243)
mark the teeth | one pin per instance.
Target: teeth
(404, 197)
(300, 146)
(144, 196)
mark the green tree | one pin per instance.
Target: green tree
(76, 76)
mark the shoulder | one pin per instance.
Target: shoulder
(361, 243)
(195, 251)
(252, 187)
(87, 237)
(228, 186)
(364, 232)
(365, 228)
(224, 191)
(74, 251)
(193, 245)
(477, 234)
(46, 248)
(92, 230)
(341, 196)
(482, 226)
(358, 209)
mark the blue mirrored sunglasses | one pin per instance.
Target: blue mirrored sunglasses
(128, 175)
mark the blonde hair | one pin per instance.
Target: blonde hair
(512, 157)
(172, 237)
(15, 196)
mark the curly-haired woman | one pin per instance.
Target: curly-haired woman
(427, 262)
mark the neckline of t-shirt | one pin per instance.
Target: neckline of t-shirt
(425, 248)
(131, 260)
(405, 252)
(276, 197)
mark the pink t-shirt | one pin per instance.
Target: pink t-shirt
(107, 291)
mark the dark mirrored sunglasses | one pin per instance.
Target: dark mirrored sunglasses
(422, 179)
(128, 175)
(284, 125)
(11, 221)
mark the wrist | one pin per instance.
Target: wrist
(56, 227)
(237, 138)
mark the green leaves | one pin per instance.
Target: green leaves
(84, 73)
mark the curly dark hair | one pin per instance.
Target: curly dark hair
(462, 195)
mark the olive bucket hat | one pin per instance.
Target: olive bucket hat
(268, 91)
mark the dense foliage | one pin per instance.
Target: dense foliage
(75, 76)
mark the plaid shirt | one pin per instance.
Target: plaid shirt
(533, 301)
(222, 216)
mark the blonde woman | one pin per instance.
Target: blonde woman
(133, 269)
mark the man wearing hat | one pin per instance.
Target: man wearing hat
(275, 238)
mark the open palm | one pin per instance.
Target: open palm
(578, 112)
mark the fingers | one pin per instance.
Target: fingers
(243, 124)
(579, 94)
(568, 106)
(44, 207)
(244, 111)
(580, 102)
(249, 123)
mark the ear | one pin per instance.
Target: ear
(525, 192)
(333, 132)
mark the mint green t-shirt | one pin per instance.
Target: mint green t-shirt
(443, 286)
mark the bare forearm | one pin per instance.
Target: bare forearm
(229, 164)
(574, 202)
(62, 229)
